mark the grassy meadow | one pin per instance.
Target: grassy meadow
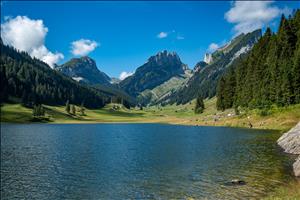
(276, 118)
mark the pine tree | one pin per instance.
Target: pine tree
(270, 73)
(82, 109)
(68, 107)
(73, 110)
(199, 106)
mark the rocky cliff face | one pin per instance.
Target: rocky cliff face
(290, 142)
(158, 69)
(207, 58)
(85, 70)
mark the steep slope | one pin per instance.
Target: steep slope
(155, 95)
(30, 81)
(204, 80)
(155, 71)
(85, 70)
(269, 75)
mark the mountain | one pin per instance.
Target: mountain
(158, 69)
(84, 70)
(29, 81)
(270, 74)
(200, 66)
(204, 80)
(155, 95)
(114, 80)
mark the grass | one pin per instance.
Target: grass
(287, 192)
(278, 118)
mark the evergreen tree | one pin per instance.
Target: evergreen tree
(68, 107)
(38, 111)
(199, 106)
(73, 110)
(82, 109)
(270, 74)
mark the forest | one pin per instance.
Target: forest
(269, 74)
(31, 81)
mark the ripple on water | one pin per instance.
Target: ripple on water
(137, 161)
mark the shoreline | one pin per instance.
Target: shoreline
(290, 189)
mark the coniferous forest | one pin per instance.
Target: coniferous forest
(269, 74)
(31, 81)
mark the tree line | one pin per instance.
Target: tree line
(269, 74)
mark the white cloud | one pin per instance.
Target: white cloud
(83, 47)
(250, 15)
(162, 35)
(212, 47)
(124, 75)
(28, 35)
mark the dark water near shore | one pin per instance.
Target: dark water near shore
(138, 161)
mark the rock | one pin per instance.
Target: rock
(296, 167)
(235, 182)
(290, 142)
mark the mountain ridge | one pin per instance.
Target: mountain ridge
(157, 69)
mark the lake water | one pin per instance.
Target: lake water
(138, 161)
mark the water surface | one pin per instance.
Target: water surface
(138, 161)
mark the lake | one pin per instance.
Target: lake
(138, 161)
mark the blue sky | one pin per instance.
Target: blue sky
(125, 34)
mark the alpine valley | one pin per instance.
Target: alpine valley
(162, 80)
(70, 131)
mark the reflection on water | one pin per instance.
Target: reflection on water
(137, 161)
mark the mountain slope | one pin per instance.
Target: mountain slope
(85, 70)
(204, 80)
(31, 81)
(155, 95)
(155, 71)
(269, 75)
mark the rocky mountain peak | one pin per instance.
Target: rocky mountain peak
(84, 62)
(84, 69)
(165, 57)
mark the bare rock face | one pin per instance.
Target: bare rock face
(296, 167)
(290, 142)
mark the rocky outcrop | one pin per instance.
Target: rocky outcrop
(290, 142)
(207, 58)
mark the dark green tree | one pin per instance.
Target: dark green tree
(68, 108)
(199, 106)
(73, 108)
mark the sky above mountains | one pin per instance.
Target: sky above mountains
(121, 36)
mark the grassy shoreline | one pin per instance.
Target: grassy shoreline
(280, 119)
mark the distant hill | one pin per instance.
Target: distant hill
(157, 70)
(206, 75)
(85, 70)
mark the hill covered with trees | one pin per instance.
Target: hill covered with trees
(270, 73)
(31, 81)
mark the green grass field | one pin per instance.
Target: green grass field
(278, 118)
